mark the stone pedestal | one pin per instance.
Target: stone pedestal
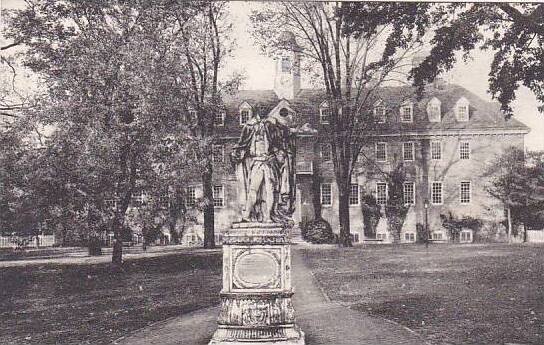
(256, 306)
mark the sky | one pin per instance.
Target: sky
(259, 71)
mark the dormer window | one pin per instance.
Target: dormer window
(219, 118)
(245, 113)
(462, 109)
(433, 110)
(380, 112)
(324, 113)
(407, 112)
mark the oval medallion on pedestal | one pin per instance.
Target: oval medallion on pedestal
(256, 270)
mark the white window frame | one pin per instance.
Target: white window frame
(217, 198)
(404, 106)
(245, 107)
(434, 110)
(465, 233)
(190, 196)
(437, 236)
(325, 152)
(439, 150)
(351, 197)
(441, 192)
(462, 200)
(324, 106)
(220, 115)
(462, 152)
(380, 118)
(218, 148)
(413, 153)
(378, 199)
(411, 237)
(465, 115)
(321, 194)
(385, 151)
(412, 193)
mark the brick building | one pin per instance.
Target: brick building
(444, 140)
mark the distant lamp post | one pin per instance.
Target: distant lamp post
(427, 234)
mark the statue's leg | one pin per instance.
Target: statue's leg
(253, 192)
(268, 194)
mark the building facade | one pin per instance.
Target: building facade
(445, 141)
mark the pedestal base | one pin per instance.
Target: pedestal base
(294, 341)
(256, 306)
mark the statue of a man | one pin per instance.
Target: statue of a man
(264, 168)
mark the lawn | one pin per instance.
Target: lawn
(450, 294)
(96, 304)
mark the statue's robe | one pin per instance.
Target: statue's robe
(278, 168)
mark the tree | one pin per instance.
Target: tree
(518, 184)
(515, 32)
(350, 65)
(206, 43)
(115, 74)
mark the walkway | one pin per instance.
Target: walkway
(325, 323)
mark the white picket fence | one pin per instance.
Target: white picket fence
(29, 241)
(535, 236)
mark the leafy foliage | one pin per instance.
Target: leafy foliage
(317, 231)
(455, 225)
(515, 32)
(351, 66)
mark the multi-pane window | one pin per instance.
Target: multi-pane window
(164, 199)
(409, 237)
(326, 194)
(466, 236)
(138, 199)
(219, 118)
(462, 112)
(218, 153)
(381, 193)
(193, 114)
(381, 152)
(464, 192)
(380, 114)
(409, 193)
(408, 151)
(218, 196)
(437, 236)
(354, 194)
(190, 196)
(436, 193)
(464, 150)
(324, 113)
(433, 110)
(326, 152)
(111, 203)
(436, 150)
(406, 112)
(245, 114)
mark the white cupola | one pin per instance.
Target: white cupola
(287, 61)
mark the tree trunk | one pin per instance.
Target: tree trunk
(316, 183)
(343, 212)
(509, 216)
(209, 231)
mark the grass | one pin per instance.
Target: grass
(450, 294)
(96, 304)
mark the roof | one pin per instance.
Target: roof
(483, 115)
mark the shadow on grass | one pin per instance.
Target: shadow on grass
(95, 304)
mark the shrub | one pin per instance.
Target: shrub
(317, 231)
